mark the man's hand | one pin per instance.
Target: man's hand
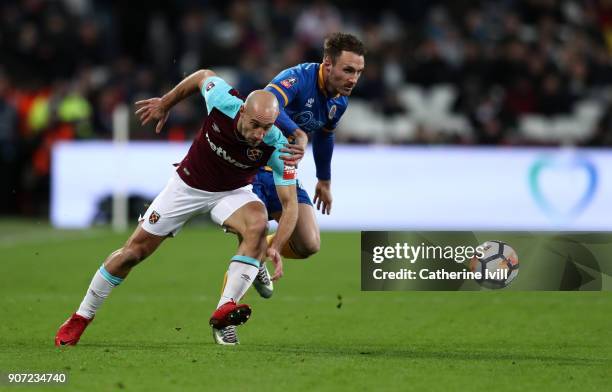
(323, 197)
(152, 110)
(276, 259)
(295, 149)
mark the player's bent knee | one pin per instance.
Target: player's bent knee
(256, 228)
(307, 249)
(311, 247)
(308, 245)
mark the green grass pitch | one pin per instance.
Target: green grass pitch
(319, 332)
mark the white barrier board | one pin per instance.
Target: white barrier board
(377, 188)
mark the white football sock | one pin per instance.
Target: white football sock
(240, 276)
(100, 287)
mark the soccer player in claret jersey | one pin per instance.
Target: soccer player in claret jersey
(313, 98)
(214, 177)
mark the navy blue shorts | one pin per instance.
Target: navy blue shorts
(264, 188)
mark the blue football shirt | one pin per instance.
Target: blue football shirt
(300, 90)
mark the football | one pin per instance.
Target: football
(498, 265)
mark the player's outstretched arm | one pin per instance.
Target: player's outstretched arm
(158, 109)
(287, 195)
(322, 149)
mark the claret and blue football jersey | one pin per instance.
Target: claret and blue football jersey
(218, 160)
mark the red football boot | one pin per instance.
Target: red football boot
(230, 314)
(70, 332)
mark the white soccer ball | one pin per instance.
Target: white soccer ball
(498, 265)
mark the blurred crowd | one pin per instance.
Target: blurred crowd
(65, 66)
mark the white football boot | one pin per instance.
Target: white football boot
(225, 336)
(262, 283)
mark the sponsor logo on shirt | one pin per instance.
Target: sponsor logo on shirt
(287, 83)
(223, 154)
(307, 121)
(289, 172)
(215, 128)
(210, 85)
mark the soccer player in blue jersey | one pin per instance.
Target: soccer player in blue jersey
(313, 98)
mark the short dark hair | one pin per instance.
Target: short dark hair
(338, 42)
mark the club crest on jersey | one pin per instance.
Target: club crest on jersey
(332, 112)
(254, 154)
(210, 85)
(289, 172)
(287, 83)
(154, 217)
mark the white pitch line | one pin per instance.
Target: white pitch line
(47, 236)
(140, 298)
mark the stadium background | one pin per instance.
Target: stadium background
(531, 73)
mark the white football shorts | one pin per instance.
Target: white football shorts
(178, 202)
